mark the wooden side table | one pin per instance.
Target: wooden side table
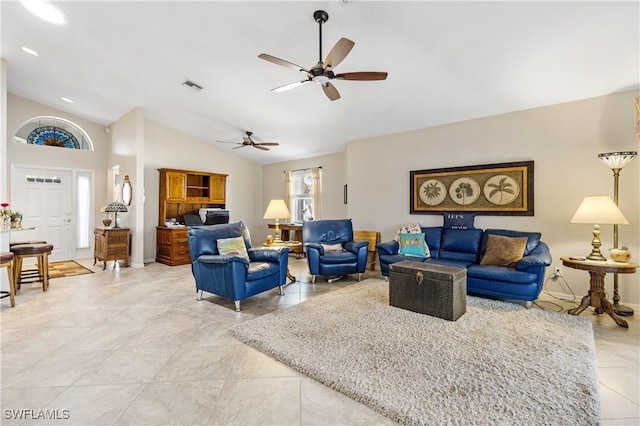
(596, 296)
(112, 244)
(292, 233)
(292, 245)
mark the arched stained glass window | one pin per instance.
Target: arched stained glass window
(53, 131)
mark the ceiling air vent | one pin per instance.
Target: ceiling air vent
(193, 86)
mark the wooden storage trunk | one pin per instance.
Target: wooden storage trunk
(426, 288)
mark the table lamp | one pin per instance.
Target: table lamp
(599, 209)
(116, 207)
(277, 210)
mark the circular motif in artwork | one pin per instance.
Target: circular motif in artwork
(432, 192)
(464, 191)
(501, 190)
(53, 136)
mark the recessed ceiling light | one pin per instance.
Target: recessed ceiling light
(46, 10)
(29, 51)
(66, 99)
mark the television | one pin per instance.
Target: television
(212, 216)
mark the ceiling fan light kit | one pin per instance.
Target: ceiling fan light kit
(322, 72)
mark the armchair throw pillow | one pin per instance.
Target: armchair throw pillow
(332, 247)
(233, 246)
(503, 251)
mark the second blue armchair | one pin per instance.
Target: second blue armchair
(331, 249)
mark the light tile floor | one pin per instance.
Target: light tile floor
(133, 346)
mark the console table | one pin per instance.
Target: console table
(112, 244)
(596, 296)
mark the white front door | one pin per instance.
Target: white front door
(45, 199)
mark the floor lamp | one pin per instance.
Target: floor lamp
(616, 161)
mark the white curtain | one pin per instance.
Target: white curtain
(287, 189)
(316, 174)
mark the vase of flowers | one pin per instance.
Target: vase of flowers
(5, 217)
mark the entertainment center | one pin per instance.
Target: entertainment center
(184, 192)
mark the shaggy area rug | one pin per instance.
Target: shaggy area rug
(498, 364)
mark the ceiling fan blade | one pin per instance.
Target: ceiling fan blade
(338, 52)
(362, 76)
(260, 147)
(289, 86)
(235, 143)
(331, 91)
(268, 144)
(241, 146)
(281, 62)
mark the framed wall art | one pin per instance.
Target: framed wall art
(490, 189)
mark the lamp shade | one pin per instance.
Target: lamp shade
(617, 160)
(277, 209)
(116, 207)
(599, 209)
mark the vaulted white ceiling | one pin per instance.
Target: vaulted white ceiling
(447, 62)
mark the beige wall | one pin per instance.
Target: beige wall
(21, 109)
(168, 148)
(126, 152)
(564, 142)
(333, 180)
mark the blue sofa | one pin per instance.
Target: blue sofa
(232, 276)
(345, 257)
(465, 248)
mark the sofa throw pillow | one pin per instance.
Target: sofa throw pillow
(459, 220)
(332, 247)
(414, 245)
(503, 251)
(409, 228)
(233, 246)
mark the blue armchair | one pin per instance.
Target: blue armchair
(234, 276)
(331, 249)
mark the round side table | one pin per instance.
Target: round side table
(596, 296)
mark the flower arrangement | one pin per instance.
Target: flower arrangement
(5, 211)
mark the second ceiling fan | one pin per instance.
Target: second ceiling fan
(247, 141)
(322, 72)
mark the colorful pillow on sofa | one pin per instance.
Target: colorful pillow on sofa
(409, 228)
(503, 251)
(233, 247)
(459, 220)
(414, 245)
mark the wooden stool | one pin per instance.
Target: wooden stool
(41, 252)
(6, 261)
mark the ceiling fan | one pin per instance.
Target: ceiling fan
(247, 141)
(322, 72)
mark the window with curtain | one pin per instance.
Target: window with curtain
(303, 192)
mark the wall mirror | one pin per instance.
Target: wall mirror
(127, 191)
